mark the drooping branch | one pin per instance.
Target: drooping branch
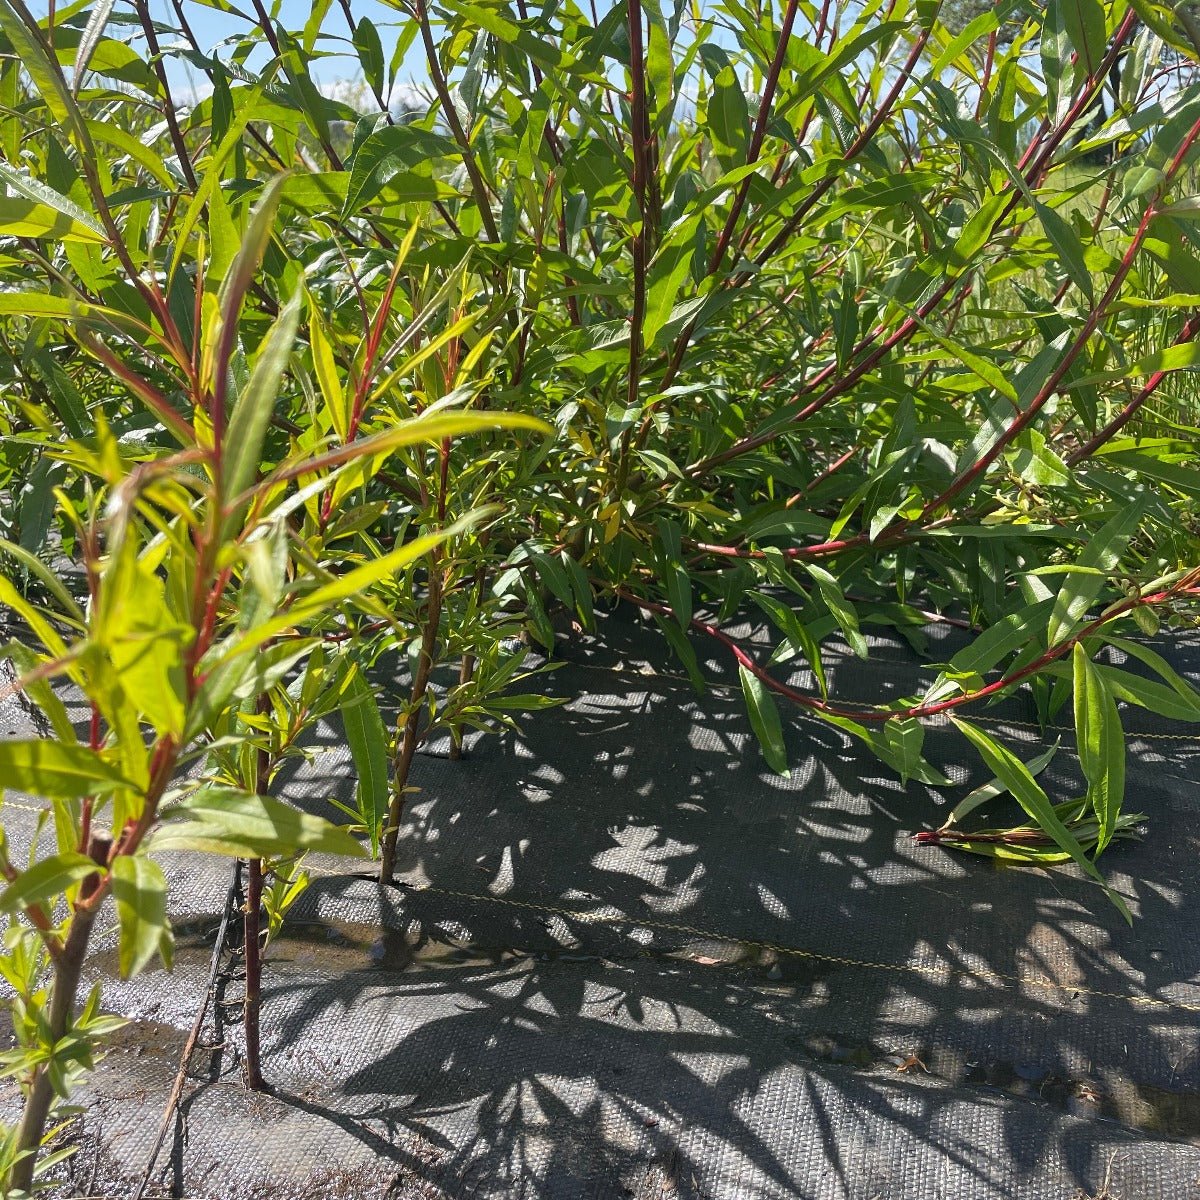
(1187, 586)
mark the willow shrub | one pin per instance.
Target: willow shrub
(846, 315)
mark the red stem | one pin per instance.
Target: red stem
(1189, 331)
(1037, 151)
(813, 704)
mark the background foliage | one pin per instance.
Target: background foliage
(850, 314)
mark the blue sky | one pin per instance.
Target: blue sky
(338, 63)
(211, 27)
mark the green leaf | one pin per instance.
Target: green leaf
(684, 650)
(728, 117)
(1101, 743)
(492, 18)
(367, 738)
(904, 738)
(1183, 478)
(434, 427)
(325, 369)
(581, 590)
(93, 31)
(26, 218)
(50, 638)
(252, 412)
(221, 342)
(45, 881)
(46, 76)
(43, 194)
(1159, 665)
(119, 60)
(69, 404)
(325, 597)
(1037, 464)
(998, 641)
(1057, 71)
(1182, 357)
(1015, 776)
(977, 232)
(1083, 21)
(56, 770)
(217, 820)
(40, 304)
(144, 643)
(764, 720)
(401, 156)
(996, 787)
(1099, 557)
(1066, 242)
(370, 53)
(240, 679)
(676, 581)
(40, 691)
(124, 142)
(987, 370)
(666, 278)
(215, 164)
(843, 611)
(901, 753)
(140, 890)
(1149, 694)
(797, 635)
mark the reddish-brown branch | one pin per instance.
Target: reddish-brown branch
(1190, 328)
(1039, 152)
(856, 147)
(450, 115)
(252, 945)
(770, 85)
(143, 389)
(1189, 586)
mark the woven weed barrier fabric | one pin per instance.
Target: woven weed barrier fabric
(628, 960)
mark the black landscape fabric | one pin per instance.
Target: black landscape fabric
(628, 960)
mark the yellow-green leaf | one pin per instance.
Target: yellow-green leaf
(26, 218)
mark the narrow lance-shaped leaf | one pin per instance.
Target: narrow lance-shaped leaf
(901, 753)
(28, 219)
(56, 770)
(842, 609)
(794, 630)
(325, 368)
(1101, 743)
(219, 820)
(40, 691)
(433, 428)
(367, 738)
(996, 787)
(352, 583)
(46, 76)
(92, 33)
(42, 193)
(1015, 776)
(1099, 557)
(764, 720)
(252, 413)
(45, 881)
(140, 890)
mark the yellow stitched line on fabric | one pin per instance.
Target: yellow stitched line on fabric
(1131, 734)
(982, 975)
(33, 808)
(599, 918)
